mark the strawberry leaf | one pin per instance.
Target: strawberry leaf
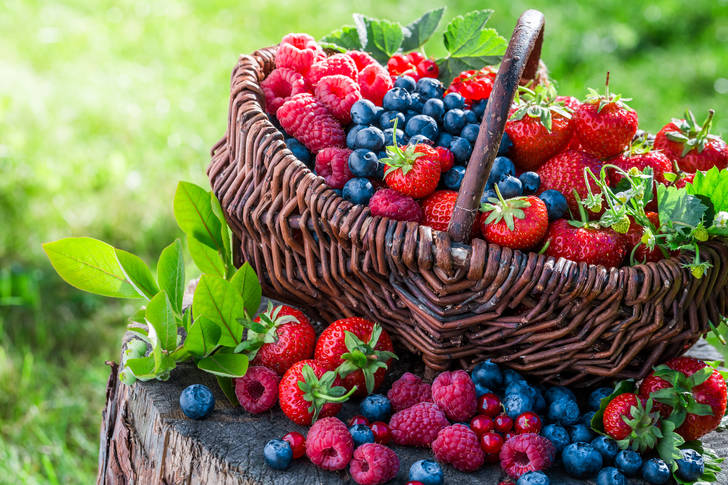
(712, 184)
(679, 207)
(418, 32)
(667, 446)
(381, 38)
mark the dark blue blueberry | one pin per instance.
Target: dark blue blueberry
(452, 180)
(417, 139)
(427, 472)
(461, 149)
(358, 190)
(581, 460)
(481, 389)
(454, 121)
(586, 418)
(487, 373)
(337, 192)
(502, 168)
(557, 392)
(361, 433)
(509, 376)
(606, 446)
(628, 462)
(581, 432)
(539, 403)
(611, 476)
(375, 407)
(396, 99)
(556, 204)
(196, 401)
(510, 187)
(470, 117)
(300, 151)
(422, 125)
(558, 435)
(430, 88)
(405, 82)
(363, 162)
(533, 478)
(530, 181)
(470, 132)
(351, 135)
(454, 101)
(417, 102)
(444, 140)
(278, 454)
(691, 466)
(655, 471)
(363, 112)
(564, 411)
(478, 107)
(517, 403)
(434, 108)
(487, 195)
(380, 169)
(596, 396)
(410, 114)
(386, 119)
(370, 138)
(389, 137)
(505, 144)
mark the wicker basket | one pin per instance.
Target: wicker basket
(450, 301)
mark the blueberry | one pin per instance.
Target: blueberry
(586, 418)
(564, 411)
(611, 476)
(196, 401)
(278, 454)
(556, 204)
(517, 403)
(628, 462)
(430, 88)
(461, 149)
(300, 151)
(487, 195)
(434, 108)
(363, 162)
(502, 168)
(409, 115)
(470, 117)
(396, 99)
(478, 107)
(405, 82)
(481, 389)
(505, 144)
(363, 112)
(557, 392)
(530, 181)
(386, 119)
(470, 132)
(444, 140)
(380, 168)
(509, 375)
(370, 138)
(581, 460)
(361, 433)
(533, 478)
(358, 190)
(337, 192)
(581, 432)
(422, 125)
(487, 373)
(558, 435)
(416, 102)
(452, 180)
(606, 446)
(351, 135)
(539, 403)
(691, 466)
(389, 137)
(510, 187)
(655, 471)
(454, 101)
(375, 407)
(427, 472)
(596, 396)
(454, 121)
(418, 139)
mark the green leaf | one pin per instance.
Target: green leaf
(160, 315)
(667, 446)
(171, 274)
(380, 38)
(418, 32)
(466, 36)
(206, 259)
(227, 253)
(597, 422)
(679, 207)
(202, 337)
(247, 284)
(89, 265)
(712, 184)
(346, 38)
(193, 211)
(227, 385)
(143, 368)
(137, 273)
(220, 301)
(225, 365)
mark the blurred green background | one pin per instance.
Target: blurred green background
(105, 105)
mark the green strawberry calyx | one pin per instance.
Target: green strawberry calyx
(505, 210)
(645, 433)
(593, 97)
(363, 356)
(691, 135)
(265, 331)
(321, 391)
(539, 102)
(398, 159)
(680, 396)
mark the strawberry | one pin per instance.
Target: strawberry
(538, 126)
(308, 391)
(589, 243)
(692, 146)
(438, 209)
(654, 159)
(473, 85)
(642, 254)
(359, 350)
(413, 171)
(517, 223)
(605, 124)
(629, 420)
(565, 173)
(688, 389)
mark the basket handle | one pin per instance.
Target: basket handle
(520, 61)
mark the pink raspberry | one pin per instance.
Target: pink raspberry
(298, 52)
(408, 390)
(395, 205)
(361, 59)
(280, 85)
(257, 390)
(454, 393)
(333, 165)
(303, 117)
(458, 445)
(373, 464)
(338, 93)
(300, 40)
(526, 453)
(375, 81)
(329, 66)
(417, 425)
(329, 444)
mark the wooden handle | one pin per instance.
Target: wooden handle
(520, 61)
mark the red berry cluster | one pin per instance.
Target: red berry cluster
(414, 65)
(473, 85)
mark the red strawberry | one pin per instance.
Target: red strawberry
(438, 209)
(691, 145)
(570, 102)
(656, 160)
(309, 391)
(517, 223)
(643, 254)
(695, 384)
(413, 171)
(447, 159)
(588, 244)
(684, 179)
(359, 350)
(630, 420)
(473, 85)
(565, 173)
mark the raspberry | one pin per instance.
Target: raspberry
(408, 390)
(257, 390)
(338, 93)
(329, 444)
(300, 40)
(526, 453)
(374, 82)
(392, 204)
(333, 165)
(454, 393)
(310, 122)
(418, 425)
(280, 85)
(298, 52)
(373, 464)
(361, 59)
(458, 445)
(447, 159)
(329, 66)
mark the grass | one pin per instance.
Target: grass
(104, 105)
